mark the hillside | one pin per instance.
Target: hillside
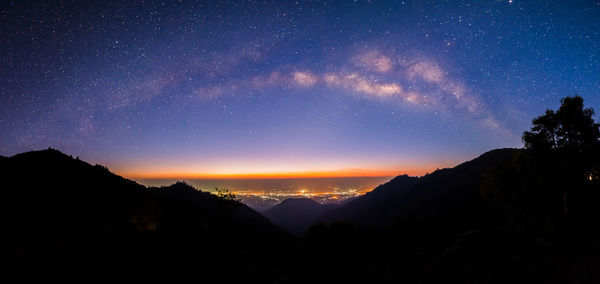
(70, 220)
(297, 214)
(451, 191)
(483, 221)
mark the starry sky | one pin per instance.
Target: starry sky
(349, 88)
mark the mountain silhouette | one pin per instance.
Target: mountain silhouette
(63, 218)
(296, 214)
(489, 220)
(508, 216)
(451, 193)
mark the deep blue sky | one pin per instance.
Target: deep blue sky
(253, 87)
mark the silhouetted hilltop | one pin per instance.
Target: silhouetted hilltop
(443, 192)
(213, 205)
(63, 218)
(509, 216)
(499, 218)
(297, 214)
(484, 221)
(55, 181)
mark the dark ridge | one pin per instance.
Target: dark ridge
(63, 218)
(498, 218)
(445, 191)
(296, 214)
(212, 204)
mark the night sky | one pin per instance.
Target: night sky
(332, 88)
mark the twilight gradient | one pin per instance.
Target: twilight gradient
(313, 88)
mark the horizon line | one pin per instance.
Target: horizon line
(284, 175)
(254, 177)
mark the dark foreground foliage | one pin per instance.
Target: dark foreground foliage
(527, 215)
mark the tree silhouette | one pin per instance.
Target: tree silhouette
(551, 187)
(224, 194)
(571, 128)
(569, 141)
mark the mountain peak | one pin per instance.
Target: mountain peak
(444, 190)
(44, 153)
(304, 201)
(297, 214)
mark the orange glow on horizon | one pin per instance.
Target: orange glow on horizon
(274, 175)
